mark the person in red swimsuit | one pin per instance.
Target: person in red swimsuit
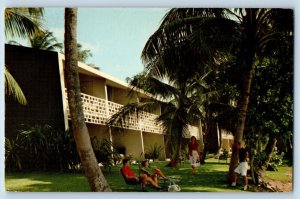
(194, 154)
(131, 178)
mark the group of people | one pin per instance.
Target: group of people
(241, 169)
(145, 175)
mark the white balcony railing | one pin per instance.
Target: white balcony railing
(98, 111)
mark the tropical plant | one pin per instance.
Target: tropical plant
(23, 22)
(42, 40)
(12, 87)
(154, 151)
(83, 54)
(246, 33)
(45, 41)
(14, 154)
(36, 143)
(62, 153)
(20, 22)
(95, 177)
(170, 56)
(104, 151)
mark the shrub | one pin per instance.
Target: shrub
(104, 152)
(154, 151)
(276, 160)
(41, 147)
(14, 154)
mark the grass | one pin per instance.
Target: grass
(211, 177)
(281, 174)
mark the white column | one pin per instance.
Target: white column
(218, 134)
(201, 135)
(63, 89)
(141, 132)
(107, 113)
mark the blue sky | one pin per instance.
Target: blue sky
(115, 36)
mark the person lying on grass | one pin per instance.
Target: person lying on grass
(132, 178)
(156, 172)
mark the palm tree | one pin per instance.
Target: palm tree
(179, 90)
(23, 22)
(181, 106)
(245, 33)
(45, 41)
(256, 30)
(96, 179)
(42, 40)
(170, 55)
(20, 22)
(83, 54)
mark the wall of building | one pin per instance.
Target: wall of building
(130, 140)
(151, 139)
(37, 73)
(100, 131)
(92, 85)
(120, 96)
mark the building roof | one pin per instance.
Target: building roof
(110, 80)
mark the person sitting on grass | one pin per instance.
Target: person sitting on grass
(131, 178)
(157, 172)
(241, 169)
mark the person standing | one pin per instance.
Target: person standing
(241, 169)
(194, 154)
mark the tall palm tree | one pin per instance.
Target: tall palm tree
(173, 75)
(245, 33)
(256, 30)
(95, 177)
(169, 53)
(181, 106)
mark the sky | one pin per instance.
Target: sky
(115, 36)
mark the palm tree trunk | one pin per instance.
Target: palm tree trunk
(95, 178)
(178, 151)
(268, 150)
(248, 54)
(238, 136)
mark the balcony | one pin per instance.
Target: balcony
(98, 111)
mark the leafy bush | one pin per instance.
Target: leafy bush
(276, 160)
(104, 152)
(154, 151)
(14, 154)
(41, 147)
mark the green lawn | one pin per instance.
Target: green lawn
(282, 175)
(211, 177)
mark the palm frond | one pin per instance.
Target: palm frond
(12, 87)
(154, 86)
(22, 22)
